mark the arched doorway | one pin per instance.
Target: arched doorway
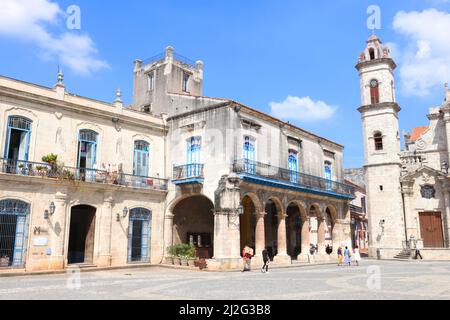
(329, 226)
(82, 234)
(139, 235)
(194, 223)
(13, 227)
(248, 224)
(297, 226)
(271, 228)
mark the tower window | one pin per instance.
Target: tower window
(185, 82)
(372, 54)
(374, 91)
(378, 137)
(147, 108)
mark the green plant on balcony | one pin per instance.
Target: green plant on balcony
(51, 159)
(68, 175)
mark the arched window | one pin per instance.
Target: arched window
(13, 222)
(378, 138)
(293, 166)
(139, 235)
(372, 54)
(18, 138)
(141, 158)
(249, 150)
(374, 91)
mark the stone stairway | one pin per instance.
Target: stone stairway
(404, 255)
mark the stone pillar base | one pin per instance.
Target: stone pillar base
(226, 264)
(282, 259)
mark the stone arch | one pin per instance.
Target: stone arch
(252, 210)
(193, 222)
(297, 229)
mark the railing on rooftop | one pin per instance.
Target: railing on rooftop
(162, 56)
(45, 170)
(188, 171)
(296, 178)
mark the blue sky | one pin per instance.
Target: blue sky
(255, 52)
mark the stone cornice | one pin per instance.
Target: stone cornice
(13, 94)
(375, 62)
(380, 106)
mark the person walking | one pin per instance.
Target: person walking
(340, 256)
(347, 257)
(266, 260)
(357, 255)
(247, 255)
(418, 248)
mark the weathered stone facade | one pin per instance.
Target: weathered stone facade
(175, 167)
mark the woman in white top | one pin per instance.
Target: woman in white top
(357, 255)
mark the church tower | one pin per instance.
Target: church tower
(381, 136)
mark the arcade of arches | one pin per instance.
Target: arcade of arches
(287, 232)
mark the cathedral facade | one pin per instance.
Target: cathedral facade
(408, 199)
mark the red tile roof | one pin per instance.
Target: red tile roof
(417, 132)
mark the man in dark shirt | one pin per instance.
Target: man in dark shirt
(266, 260)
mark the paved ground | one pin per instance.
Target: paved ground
(373, 280)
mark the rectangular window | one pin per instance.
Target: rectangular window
(185, 82)
(151, 81)
(194, 148)
(363, 204)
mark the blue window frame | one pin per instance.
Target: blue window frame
(87, 154)
(139, 235)
(18, 138)
(329, 175)
(194, 153)
(13, 226)
(141, 158)
(293, 166)
(249, 155)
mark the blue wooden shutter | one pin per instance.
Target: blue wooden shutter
(145, 240)
(19, 244)
(130, 239)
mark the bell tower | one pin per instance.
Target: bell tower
(379, 111)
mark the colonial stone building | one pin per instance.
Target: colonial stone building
(408, 191)
(174, 167)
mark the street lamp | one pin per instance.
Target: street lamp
(241, 210)
(50, 211)
(444, 166)
(125, 212)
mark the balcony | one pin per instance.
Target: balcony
(45, 170)
(264, 174)
(188, 174)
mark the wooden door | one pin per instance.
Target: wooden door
(431, 229)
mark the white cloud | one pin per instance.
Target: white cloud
(302, 109)
(425, 59)
(29, 20)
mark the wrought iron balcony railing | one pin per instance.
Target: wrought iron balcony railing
(295, 178)
(188, 171)
(45, 170)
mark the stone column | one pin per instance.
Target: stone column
(282, 256)
(104, 258)
(58, 232)
(410, 223)
(168, 232)
(260, 236)
(304, 255)
(321, 236)
(227, 242)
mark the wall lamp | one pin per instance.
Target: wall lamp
(50, 211)
(241, 210)
(124, 214)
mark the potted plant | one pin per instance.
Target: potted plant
(176, 255)
(51, 159)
